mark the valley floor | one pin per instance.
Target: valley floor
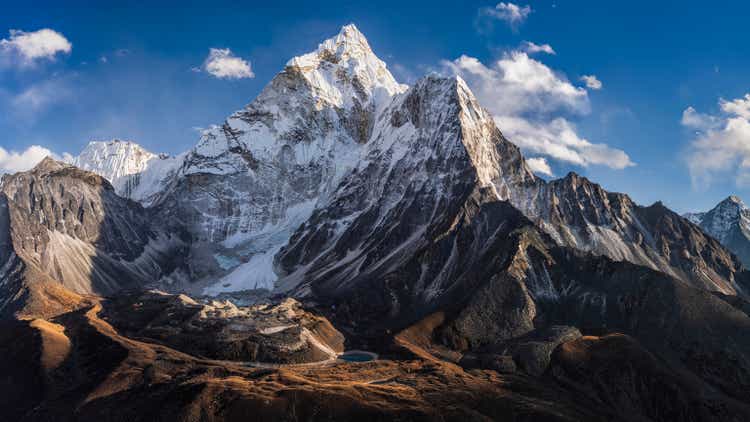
(79, 367)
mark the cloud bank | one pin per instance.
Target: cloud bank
(721, 143)
(531, 105)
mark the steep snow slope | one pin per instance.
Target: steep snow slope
(432, 149)
(250, 182)
(134, 172)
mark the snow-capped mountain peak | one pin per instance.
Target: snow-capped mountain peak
(728, 222)
(344, 68)
(135, 172)
(728, 214)
(733, 199)
(113, 159)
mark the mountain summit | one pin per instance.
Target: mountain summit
(729, 222)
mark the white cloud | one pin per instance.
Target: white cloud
(699, 121)
(532, 48)
(721, 146)
(37, 45)
(739, 107)
(559, 140)
(592, 82)
(222, 64)
(531, 103)
(517, 83)
(539, 165)
(510, 13)
(12, 161)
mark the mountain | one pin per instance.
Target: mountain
(335, 123)
(729, 223)
(67, 230)
(133, 171)
(250, 182)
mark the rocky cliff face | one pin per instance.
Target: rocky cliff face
(579, 213)
(69, 226)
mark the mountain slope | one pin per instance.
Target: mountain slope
(252, 181)
(729, 223)
(66, 228)
(579, 213)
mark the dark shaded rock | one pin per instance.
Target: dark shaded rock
(501, 363)
(618, 372)
(533, 351)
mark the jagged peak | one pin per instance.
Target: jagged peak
(48, 165)
(349, 42)
(344, 66)
(449, 89)
(431, 96)
(114, 159)
(450, 81)
(733, 200)
(572, 175)
(52, 167)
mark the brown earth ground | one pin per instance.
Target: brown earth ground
(78, 367)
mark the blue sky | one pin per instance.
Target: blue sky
(130, 72)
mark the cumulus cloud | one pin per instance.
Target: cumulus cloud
(30, 47)
(222, 64)
(699, 121)
(510, 13)
(517, 83)
(558, 139)
(532, 48)
(721, 146)
(531, 104)
(738, 107)
(539, 165)
(592, 82)
(12, 161)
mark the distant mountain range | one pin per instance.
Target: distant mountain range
(343, 210)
